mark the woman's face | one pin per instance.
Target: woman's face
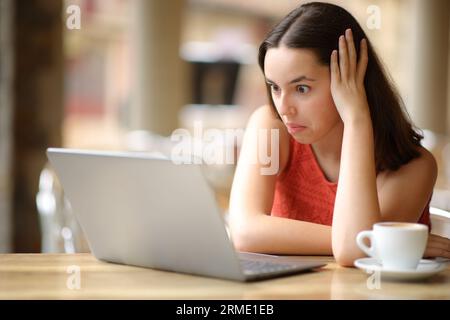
(300, 88)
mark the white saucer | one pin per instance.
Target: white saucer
(425, 269)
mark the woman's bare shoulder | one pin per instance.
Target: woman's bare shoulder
(406, 191)
(427, 161)
(264, 117)
(422, 169)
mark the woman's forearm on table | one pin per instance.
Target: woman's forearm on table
(274, 235)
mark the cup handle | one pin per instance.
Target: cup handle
(359, 241)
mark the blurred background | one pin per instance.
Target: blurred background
(133, 71)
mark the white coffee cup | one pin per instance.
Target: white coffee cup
(397, 245)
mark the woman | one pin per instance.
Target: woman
(338, 118)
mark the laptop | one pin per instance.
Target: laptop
(146, 211)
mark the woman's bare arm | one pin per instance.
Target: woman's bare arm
(252, 227)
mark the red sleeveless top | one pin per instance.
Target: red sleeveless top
(302, 191)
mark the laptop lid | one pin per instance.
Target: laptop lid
(139, 210)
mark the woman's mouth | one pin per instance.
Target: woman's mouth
(294, 128)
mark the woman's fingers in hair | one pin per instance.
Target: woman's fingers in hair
(343, 58)
(351, 53)
(349, 66)
(363, 61)
(334, 66)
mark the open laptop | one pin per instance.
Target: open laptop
(140, 210)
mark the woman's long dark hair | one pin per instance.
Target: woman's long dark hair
(317, 26)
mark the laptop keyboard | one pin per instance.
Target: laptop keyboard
(263, 267)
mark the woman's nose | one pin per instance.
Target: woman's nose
(285, 106)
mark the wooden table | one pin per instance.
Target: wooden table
(54, 276)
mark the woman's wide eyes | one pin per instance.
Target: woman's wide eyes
(301, 88)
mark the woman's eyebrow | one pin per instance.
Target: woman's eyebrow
(298, 79)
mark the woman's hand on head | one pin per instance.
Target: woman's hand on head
(347, 78)
(437, 247)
